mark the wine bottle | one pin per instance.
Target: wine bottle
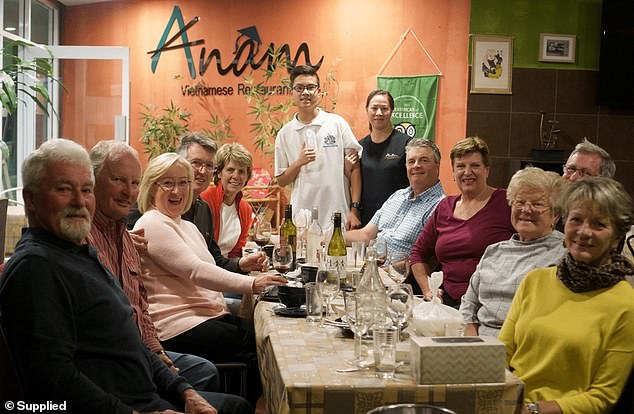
(288, 233)
(337, 257)
(315, 235)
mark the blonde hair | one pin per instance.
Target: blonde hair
(154, 171)
(604, 194)
(233, 152)
(536, 179)
(469, 145)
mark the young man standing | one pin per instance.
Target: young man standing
(310, 152)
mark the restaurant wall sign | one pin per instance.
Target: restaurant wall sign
(246, 49)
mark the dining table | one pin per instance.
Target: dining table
(298, 366)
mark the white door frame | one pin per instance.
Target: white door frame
(26, 118)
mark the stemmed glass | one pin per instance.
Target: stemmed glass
(329, 282)
(381, 251)
(400, 302)
(282, 258)
(262, 234)
(359, 318)
(398, 266)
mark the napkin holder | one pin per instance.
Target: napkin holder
(457, 360)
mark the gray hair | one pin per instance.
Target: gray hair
(608, 168)
(538, 180)
(113, 149)
(195, 137)
(51, 152)
(423, 143)
(155, 170)
(604, 194)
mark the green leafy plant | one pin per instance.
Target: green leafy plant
(161, 129)
(219, 129)
(22, 75)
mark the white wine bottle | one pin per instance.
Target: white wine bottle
(337, 257)
(315, 236)
(288, 233)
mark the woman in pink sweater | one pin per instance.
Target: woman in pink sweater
(184, 285)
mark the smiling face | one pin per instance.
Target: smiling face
(233, 177)
(171, 201)
(470, 173)
(379, 113)
(589, 234)
(531, 214)
(64, 203)
(306, 101)
(422, 170)
(582, 165)
(202, 176)
(117, 185)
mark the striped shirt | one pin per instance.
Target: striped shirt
(116, 251)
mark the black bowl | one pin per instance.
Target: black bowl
(309, 273)
(291, 297)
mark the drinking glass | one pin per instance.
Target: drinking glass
(358, 252)
(262, 235)
(400, 302)
(359, 318)
(398, 266)
(381, 251)
(282, 258)
(329, 281)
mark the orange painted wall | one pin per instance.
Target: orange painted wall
(354, 36)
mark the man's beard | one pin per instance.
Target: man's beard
(73, 229)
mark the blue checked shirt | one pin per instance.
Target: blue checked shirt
(401, 218)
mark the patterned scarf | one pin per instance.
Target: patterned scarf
(582, 277)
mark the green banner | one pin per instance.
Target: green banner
(414, 103)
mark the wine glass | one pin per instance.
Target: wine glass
(400, 302)
(262, 234)
(381, 251)
(282, 258)
(329, 282)
(398, 266)
(359, 318)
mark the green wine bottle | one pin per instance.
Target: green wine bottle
(337, 257)
(288, 233)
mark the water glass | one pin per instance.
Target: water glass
(329, 286)
(385, 351)
(454, 328)
(398, 266)
(359, 318)
(313, 302)
(358, 253)
(400, 304)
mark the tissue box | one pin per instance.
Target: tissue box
(457, 360)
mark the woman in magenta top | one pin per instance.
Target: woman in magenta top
(462, 226)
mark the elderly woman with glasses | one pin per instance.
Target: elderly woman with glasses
(183, 283)
(233, 216)
(568, 333)
(532, 195)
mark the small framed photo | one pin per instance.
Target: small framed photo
(492, 64)
(557, 48)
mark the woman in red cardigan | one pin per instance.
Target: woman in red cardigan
(233, 216)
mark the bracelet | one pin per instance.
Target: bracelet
(533, 408)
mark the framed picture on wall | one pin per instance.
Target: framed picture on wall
(491, 64)
(557, 48)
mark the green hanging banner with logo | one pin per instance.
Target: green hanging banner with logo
(414, 103)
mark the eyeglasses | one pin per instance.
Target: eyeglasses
(199, 164)
(169, 184)
(309, 88)
(570, 170)
(536, 206)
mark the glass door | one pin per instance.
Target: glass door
(92, 105)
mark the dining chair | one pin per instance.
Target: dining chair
(228, 371)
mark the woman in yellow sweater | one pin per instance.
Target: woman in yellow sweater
(569, 331)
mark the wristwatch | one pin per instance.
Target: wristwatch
(533, 408)
(356, 204)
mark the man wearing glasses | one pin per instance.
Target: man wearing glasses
(588, 160)
(310, 152)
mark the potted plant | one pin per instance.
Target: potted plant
(161, 129)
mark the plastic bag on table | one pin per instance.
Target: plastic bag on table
(431, 317)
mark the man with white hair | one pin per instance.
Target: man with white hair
(588, 160)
